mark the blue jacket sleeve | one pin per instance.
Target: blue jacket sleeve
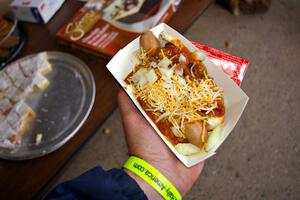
(98, 184)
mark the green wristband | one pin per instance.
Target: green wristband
(153, 177)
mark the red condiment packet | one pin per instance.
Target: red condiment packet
(233, 66)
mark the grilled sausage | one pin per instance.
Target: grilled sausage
(149, 42)
(196, 133)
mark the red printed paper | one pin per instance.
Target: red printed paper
(233, 66)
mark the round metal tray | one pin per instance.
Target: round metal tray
(61, 109)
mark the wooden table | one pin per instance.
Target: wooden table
(27, 179)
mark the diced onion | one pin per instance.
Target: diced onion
(151, 76)
(144, 76)
(182, 58)
(135, 58)
(166, 85)
(181, 81)
(139, 76)
(164, 63)
(166, 37)
(201, 55)
(213, 122)
(166, 73)
(153, 65)
(176, 132)
(213, 138)
(187, 149)
(143, 81)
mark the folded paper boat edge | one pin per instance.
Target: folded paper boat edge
(235, 98)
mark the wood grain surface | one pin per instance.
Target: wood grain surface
(26, 179)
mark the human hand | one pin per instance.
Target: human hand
(145, 143)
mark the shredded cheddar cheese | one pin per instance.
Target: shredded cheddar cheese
(180, 102)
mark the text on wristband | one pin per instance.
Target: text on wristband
(156, 180)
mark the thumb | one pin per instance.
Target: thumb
(128, 111)
(133, 121)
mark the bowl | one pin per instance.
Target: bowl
(12, 38)
(9, 36)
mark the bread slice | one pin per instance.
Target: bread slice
(39, 81)
(4, 82)
(24, 110)
(13, 94)
(13, 118)
(19, 120)
(5, 105)
(37, 63)
(15, 74)
(42, 64)
(6, 132)
(28, 67)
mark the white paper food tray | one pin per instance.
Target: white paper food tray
(235, 98)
